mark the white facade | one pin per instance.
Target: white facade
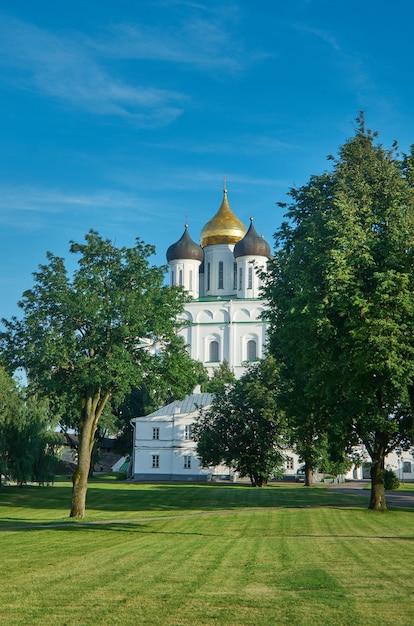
(225, 330)
(223, 320)
(163, 444)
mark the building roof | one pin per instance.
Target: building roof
(190, 404)
(252, 244)
(224, 227)
(185, 248)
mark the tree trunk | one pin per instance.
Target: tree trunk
(80, 477)
(378, 501)
(308, 476)
(92, 407)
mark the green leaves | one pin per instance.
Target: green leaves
(340, 294)
(244, 426)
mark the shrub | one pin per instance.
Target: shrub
(391, 480)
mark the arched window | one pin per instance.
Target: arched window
(208, 276)
(251, 350)
(190, 282)
(180, 280)
(235, 276)
(214, 351)
(241, 278)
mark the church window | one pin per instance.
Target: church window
(172, 279)
(220, 275)
(190, 281)
(251, 350)
(250, 278)
(208, 276)
(188, 431)
(187, 462)
(241, 278)
(235, 276)
(181, 278)
(214, 351)
(155, 460)
(155, 433)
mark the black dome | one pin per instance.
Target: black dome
(252, 244)
(185, 248)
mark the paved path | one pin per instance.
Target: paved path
(359, 488)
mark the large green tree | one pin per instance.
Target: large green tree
(341, 302)
(93, 335)
(243, 428)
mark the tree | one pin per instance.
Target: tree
(341, 304)
(222, 376)
(9, 405)
(31, 443)
(172, 377)
(27, 442)
(95, 335)
(243, 426)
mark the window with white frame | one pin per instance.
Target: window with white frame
(188, 431)
(251, 350)
(190, 281)
(187, 462)
(235, 276)
(208, 276)
(406, 467)
(240, 278)
(181, 278)
(289, 462)
(155, 460)
(155, 433)
(214, 351)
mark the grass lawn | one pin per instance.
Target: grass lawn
(203, 554)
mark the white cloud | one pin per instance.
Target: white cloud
(33, 207)
(205, 44)
(65, 69)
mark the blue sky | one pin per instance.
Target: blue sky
(124, 116)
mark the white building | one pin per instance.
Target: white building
(222, 277)
(163, 445)
(222, 323)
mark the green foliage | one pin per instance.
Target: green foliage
(244, 425)
(341, 303)
(173, 376)
(391, 480)
(28, 444)
(222, 376)
(96, 335)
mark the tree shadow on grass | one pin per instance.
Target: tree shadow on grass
(167, 499)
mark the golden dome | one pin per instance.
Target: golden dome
(224, 227)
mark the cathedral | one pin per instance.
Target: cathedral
(221, 322)
(222, 275)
